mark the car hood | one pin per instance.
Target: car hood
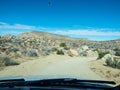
(40, 77)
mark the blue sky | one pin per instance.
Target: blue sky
(92, 19)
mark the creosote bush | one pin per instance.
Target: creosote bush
(14, 49)
(63, 45)
(54, 49)
(102, 54)
(32, 53)
(108, 61)
(113, 63)
(60, 52)
(6, 61)
(117, 53)
(66, 48)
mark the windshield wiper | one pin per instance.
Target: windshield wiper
(11, 80)
(70, 82)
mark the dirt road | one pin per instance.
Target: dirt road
(53, 66)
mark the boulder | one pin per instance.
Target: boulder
(88, 53)
(82, 53)
(73, 53)
(91, 53)
(85, 48)
(108, 56)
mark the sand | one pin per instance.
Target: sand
(99, 67)
(57, 66)
(53, 66)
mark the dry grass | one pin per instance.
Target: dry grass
(104, 71)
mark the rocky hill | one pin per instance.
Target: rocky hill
(32, 44)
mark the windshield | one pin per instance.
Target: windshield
(46, 39)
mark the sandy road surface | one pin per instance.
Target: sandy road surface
(53, 65)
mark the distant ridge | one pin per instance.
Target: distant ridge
(37, 34)
(43, 42)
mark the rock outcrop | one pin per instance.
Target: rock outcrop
(108, 56)
(73, 53)
(85, 48)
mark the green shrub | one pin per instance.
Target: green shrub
(74, 45)
(108, 62)
(60, 52)
(54, 49)
(83, 53)
(63, 45)
(113, 63)
(14, 49)
(101, 54)
(118, 65)
(116, 49)
(24, 51)
(32, 53)
(117, 53)
(6, 61)
(66, 48)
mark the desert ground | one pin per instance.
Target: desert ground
(53, 65)
(62, 66)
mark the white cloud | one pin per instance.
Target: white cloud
(88, 32)
(15, 29)
(13, 32)
(3, 23)
(15, 26)
(19, 28)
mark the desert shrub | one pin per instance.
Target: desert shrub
(62, 44)
(47, 51)
(118, 65)
(24, 52)
(1, 60)
(96, 49)
(54, 49)
(83, 53)
(102, 54)
(66, 48)
(74, 45)
(14, 49)
(109, 62)
(113, 63)
(1, 41)
(117, 53)
(6, 61)
(116, 49)
(32, 53)
(60, 52)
